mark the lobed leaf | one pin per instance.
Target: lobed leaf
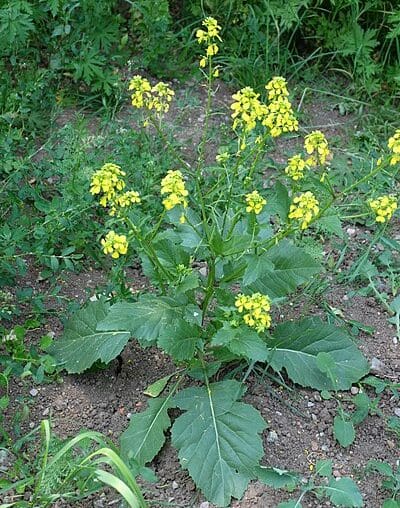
(295, 346)
(81, 344)
(218, 439)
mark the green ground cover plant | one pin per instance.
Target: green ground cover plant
(222, 252)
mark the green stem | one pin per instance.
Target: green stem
(209, 289)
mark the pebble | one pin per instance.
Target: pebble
(354, 390)
(46, 411)
(33, 392)
(377, 366)
(205, 504)
(395, 340)
(314, 446)
(351, 231)
(272, 437)
(175, 485)
(324, 448)
(310, 404)
(336, 473)
(397, 411)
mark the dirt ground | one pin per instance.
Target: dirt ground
(299, 423)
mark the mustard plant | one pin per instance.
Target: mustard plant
(221, 254)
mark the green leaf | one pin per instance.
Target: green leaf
(81, 344)
(145, 319)
(362, 403)
(381, 467)
(391, 503)
(344, 431)
(344, 492)
(158, 386)
(292, 267)
(331, 224)
(180, 340)
(323, 467)
(290, 504)
(278, 201)
(241, 341)
(256, 267)
(276, 478)
(295, 346)
(144, 437)
(218, 439)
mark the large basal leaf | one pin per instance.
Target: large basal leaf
(296, 345)
(144, 437)
(145, 319)
(81, 344)
(344, 492)
(218, 439)
(292, 266)
(180, 339)
(241, 341)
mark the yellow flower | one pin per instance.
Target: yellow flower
(222, 157)
(124, 200)
(247, 109)
(114, 244)
(213, 29)
(174, 185)
(279, 117)
(394, 146)
(203, 62)
(304, 209)
(145, 96)
(161, 96)
(255, 202)
(316, 145)
(277, 87)
(256, 310)
(106, 181)
(212, 49)
(296, 167)
(383, 207)
(141, 91)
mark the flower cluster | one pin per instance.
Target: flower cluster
(316, 145)
(296, 167)
(383, 207)
(208, 37)
(115, 245)
(304, 208)
(394, 146)
(247, 109)
(277, 88)
(124, 200)
(255, 202)
(155, 98)
(256, 310)
(107, 182)
(174, 185)
(279, 116)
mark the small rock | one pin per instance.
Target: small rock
(354, 390)
(272, 437)
(314, 417)
(31, 425)
(395, 341)
(310, 404)
(377, 366)
(351, 231)
(324, 448)
(336, 473)
(397, 411)
(391, 444)
(175, 485)
(204, 504)
(317, 397)
(33, 392)
(314, 446)
(46, 411)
